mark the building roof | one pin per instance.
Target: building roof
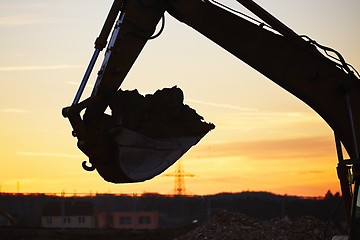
(68, 208)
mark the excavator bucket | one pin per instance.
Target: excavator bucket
(135, 157)
(143, 136)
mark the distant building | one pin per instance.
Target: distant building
(68, 214)
(135, 220)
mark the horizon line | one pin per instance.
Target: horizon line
(90, 194)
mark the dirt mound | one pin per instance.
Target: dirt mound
(234, 226)
(159, 115)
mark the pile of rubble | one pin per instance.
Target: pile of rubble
(235, 226)
(159, 115)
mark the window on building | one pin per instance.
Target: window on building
(125, 220)
(144, 220)
(49, 221)
(81, 220)
(66, 220)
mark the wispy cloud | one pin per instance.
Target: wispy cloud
(221, 105)
(49, 154)
(14, 110)
(19, 20)
(72, 83)
(37, 68)
(27, 13)
(314, 172)
(78, 83)
(307, 147)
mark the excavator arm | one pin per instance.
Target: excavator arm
(295, 63)
(289, 61)
(120, 153)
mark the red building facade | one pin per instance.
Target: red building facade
(136, 220)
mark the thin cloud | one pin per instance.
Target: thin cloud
(23, 5)
(78, 83)
(220, 105)
(314, 172)
(72, 83)
(14, 110)
(270, 120)
(23, 13)
(49, 154)
(19, 20)
(269, 149)
(37, 68)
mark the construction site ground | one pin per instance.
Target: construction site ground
(225, 225)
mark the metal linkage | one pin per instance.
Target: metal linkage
(100, 44)
(343, 173)
(86, 77)
(355, 217)
(108, 53)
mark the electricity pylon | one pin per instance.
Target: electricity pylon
(179, 181)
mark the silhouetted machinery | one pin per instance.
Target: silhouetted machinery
(145, 135)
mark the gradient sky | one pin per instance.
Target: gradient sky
(265, 139)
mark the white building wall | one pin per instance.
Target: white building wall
(68, 222)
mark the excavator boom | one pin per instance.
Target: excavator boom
(293, 62)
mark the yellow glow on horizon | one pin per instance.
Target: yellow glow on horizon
(265, 139)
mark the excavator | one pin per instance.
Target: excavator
(318, 75)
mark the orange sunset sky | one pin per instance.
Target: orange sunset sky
(265, 139)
